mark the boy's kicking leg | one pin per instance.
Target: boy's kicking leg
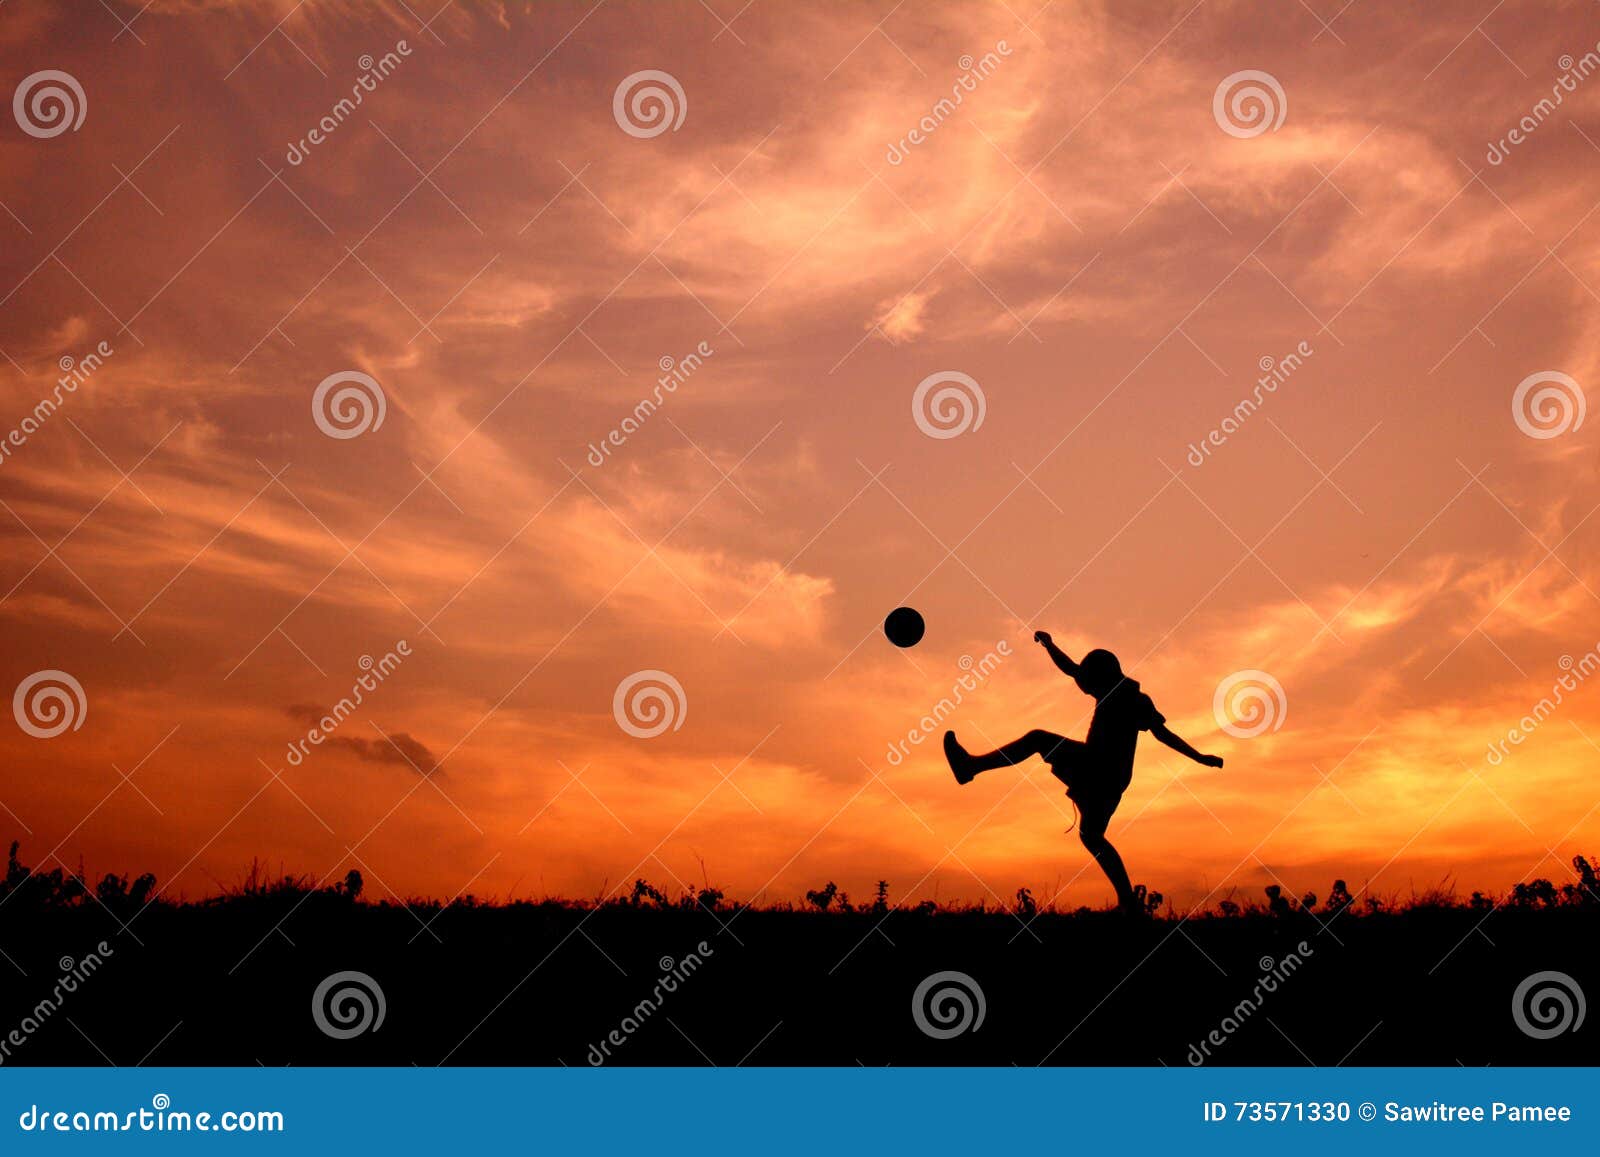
(1092, 831)
(1051, 747)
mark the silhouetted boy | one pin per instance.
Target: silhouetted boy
(1096, 770)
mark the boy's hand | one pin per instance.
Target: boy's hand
(1042, 637)
(1211, 760)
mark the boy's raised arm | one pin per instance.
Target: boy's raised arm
(1178, 744)
(1057, 655)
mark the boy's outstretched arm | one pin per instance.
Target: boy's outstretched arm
(1057, 655)
(1178, 744)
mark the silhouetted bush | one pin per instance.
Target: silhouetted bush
(822, 899)
(1339, 898)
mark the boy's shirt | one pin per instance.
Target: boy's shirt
(1114, 732)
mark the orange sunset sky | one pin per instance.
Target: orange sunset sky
(1080, 235)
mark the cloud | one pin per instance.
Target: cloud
(399, 748)
(901, 319)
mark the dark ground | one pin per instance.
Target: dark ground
(231, 981)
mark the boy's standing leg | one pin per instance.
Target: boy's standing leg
(1094, 818)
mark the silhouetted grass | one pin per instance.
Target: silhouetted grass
(1425, 978)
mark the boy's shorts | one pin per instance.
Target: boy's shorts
(1070, 763)
(1067, 759)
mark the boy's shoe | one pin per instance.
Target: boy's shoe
(960, 762)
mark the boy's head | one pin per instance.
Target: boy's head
(1098, 673)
